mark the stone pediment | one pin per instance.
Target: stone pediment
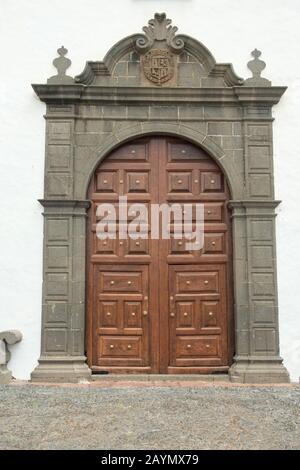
(159, 58)
(158, 66)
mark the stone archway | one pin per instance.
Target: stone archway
(176, 129)
(203, 102)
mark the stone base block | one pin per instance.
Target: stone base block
(253, 371)
(5, 375)
(69, 369)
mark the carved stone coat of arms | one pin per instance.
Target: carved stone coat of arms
(158, 66)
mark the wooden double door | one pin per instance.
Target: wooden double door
(152, 305)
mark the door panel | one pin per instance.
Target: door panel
(107, 182)
(155, 306)
(196, 282)
(123, 326)
(137, 152)
(197, 309)
(211, 182)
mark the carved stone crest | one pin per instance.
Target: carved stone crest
(159, 30)
(158, 66)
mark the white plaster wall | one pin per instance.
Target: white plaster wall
(30, 33)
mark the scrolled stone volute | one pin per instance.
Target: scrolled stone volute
(11, 336)
(159, 30)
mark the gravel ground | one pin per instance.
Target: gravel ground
(160, 417)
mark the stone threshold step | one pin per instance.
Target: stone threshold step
(160, 377)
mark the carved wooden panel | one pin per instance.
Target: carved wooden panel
(122, 332)
(211, 182)
(198, 307)
(137, 182)
(107, 181)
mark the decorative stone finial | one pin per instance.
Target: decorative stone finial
(7, 337)
(61, 63)
(257, 66)
(159, 31)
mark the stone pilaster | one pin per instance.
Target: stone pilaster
(62, 357)
(257, 357)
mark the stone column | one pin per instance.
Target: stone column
(257, 357)
(63, 314)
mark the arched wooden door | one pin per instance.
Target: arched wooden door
(152, 306)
